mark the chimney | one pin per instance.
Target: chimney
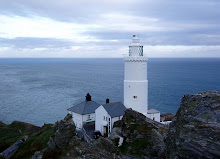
(107, 101)
(88, 97)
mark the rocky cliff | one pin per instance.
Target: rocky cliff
(142, 137)
(195, 131)
(65, 144)
(193, 134)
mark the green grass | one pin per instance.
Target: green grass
(144, 128)
(13, 132)
(6, 133)
(138, 146)
(8, 136)
(36, 142)
(18, 125)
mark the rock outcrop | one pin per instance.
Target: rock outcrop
(64, 132)
(116, 137)
(66, 144)
(195, 131)
(9, 152)
(2, 124)
(93, 151)
(105, 144)
(37, 155)
(167, 117)
(143, 138)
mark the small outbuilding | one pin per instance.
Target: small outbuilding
(84, 112)
(153, 114)
(107, 114)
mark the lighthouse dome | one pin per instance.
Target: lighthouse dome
(135, 39)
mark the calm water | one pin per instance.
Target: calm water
(40, 90)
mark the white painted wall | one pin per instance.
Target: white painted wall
(156, 116)
(138, 89)
(79, 119)
(135, 81)
(166, 122)
(87, 119)
(100, 122)
(135, 68)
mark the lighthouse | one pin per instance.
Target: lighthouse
(135, 78)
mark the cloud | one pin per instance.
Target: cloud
(104, 28)
(182, 51)
(33, 43)
(40, 27)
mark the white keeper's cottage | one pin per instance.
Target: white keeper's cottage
(107, 114)
(84, 112)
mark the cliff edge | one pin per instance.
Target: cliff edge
(195, 131)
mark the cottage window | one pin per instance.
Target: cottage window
(88, 116)
(104, 117)
(135, 97)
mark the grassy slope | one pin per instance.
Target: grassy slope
(9, 134)
(15, 131)
(36, 142)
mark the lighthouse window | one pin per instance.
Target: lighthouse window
(130, 50)
(135, 97)
(140, 51)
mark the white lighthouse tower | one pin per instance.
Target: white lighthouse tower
(135, 78)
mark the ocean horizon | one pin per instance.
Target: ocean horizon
(39, 90)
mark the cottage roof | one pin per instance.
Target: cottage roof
(152, 111)
(86, 107)
(115, 109)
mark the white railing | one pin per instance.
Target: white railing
(135, 59)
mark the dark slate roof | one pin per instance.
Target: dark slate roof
(86, 107)
(115, 109)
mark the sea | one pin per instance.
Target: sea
(40, 90)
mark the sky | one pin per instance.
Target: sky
(101, 28)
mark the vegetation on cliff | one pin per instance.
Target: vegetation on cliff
(142, 138)
(37, 141)
(193, 133)
(13, 132)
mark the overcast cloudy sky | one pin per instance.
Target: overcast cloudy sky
(99, 28)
